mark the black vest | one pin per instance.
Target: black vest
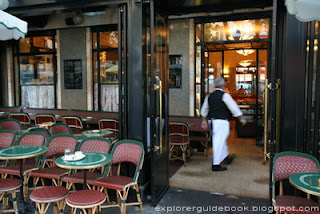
(217, 108)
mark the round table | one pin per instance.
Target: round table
(90, 161)
(308, 182)
(19, 153)
(97, 133)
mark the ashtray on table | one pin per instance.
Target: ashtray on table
(73, 157)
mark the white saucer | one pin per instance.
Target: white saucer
(89, 117)
(95, 131)
(73, 157)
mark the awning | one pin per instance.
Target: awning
(12, 27)
(304, 10)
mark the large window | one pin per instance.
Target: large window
(35, 56)
(105, 61)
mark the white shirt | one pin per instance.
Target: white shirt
(227, 99)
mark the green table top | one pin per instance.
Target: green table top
(80, 137)
(97, 133)
(21, 132)
(21, 152)
(91, 161)
(308, 182)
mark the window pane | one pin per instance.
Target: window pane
(109, 39)
(36, 44)
(198, 33)
(236, 30)
(37, 69)
(109, 67)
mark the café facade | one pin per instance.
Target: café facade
(146, 60)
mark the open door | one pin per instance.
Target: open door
(159, 104)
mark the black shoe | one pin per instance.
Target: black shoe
(218, 168)
(229, 159)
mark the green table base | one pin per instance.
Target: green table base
(308, 182)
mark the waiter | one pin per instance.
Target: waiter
(219, 106)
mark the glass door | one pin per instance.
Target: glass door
(158, 111)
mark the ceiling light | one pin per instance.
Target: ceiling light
(245, 52)
(244, 63)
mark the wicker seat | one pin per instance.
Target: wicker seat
(286, 164)
(86, 199)
(123, 151)
(60, 128)
(90, 144)
(44, 196)
(44, 118)
(23, 118)
(9, 185)
(29, 138)
(10, 124)
(178, 137)
(73, 122)
(56, 147)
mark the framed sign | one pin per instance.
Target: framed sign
(73, 74)
(175, 70)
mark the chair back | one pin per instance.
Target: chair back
(46, 132)
(44, 117)
(178, 128)
(58, 143)
(94, 144)
(10, 124)
(23, 118)
(288, 163)
(131, 151)
(73, 121)
(7, 138)
(60, 128)
(109, 124)
(32, 139)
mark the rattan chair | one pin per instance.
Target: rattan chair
(9, 185)
(56, 147)
(29, 138)
(10, 124)
(123, 151)
(90, 144)
(110, 124)
(22, 117)
(46, 132)
(43, 118)
(178, 137)
(7, 138)
(286, 164)
(60, 128)
(74, 122)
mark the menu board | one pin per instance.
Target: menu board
(73, 74)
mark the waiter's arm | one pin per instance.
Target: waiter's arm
(204, 113)
(233, 107)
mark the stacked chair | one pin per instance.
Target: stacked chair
(43, 118)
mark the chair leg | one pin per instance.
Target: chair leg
(5, 200)
(60, 205)
(14, 199)
(25, 187)
(138, 196)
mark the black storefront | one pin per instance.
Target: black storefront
(294, 79)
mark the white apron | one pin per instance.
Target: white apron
(220, 133)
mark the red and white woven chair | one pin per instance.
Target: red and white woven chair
(10, 124)
(74, 122)
(56, 147)
(90, 144)
(29, 138)
(23, 118)
(124, 151)
(7, 138)
(45, 131)
(286, 164)
(44, 196)
(9, 185)
(44, 118)
(110, 124)
(60, 128)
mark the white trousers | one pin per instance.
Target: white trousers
(220, 133)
